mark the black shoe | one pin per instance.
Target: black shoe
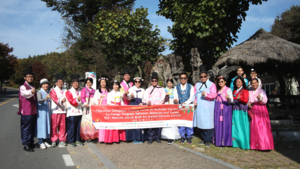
(207, 144)
(189, 140)
(170, 142)
(182, 140)
(201, 143)
(158, 140)
(28, 148)
(150, 141)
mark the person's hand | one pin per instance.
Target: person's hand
(127, 92)
(132, 95)
(175, 101)
(78, 98)
(33, 90)
(86, 105)
(203, 93)
(141, 104)
(195, 104)
(250, 105)
(149, 103)
(63, 100)
(48, 96)
(258, 97)
(167, 93)
(227, 97)
(239, 97)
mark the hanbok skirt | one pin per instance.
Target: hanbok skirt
(87, 128)
(261, 133)
(223, 123)
(240, 126)
(101, 137)
(43, 128)
(136, 134)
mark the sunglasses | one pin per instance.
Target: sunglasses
(221, 81)
(183, 78)
(154, 81)
(202, 77)
(137, 81)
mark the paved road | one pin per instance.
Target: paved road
(95, 156)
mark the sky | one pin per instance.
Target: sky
(33, 29)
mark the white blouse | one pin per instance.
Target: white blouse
(114, 97)
(137, 92)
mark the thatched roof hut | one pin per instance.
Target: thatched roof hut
(261, 48)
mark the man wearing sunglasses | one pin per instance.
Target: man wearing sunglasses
(183, 94)
(154, 95)
(205, 93)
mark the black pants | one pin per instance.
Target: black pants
(154, 133)
(73, 124)
(28, 125)
(206, 134)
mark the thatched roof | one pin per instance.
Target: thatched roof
(262, 47)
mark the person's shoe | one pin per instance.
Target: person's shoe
(140, 142)
(221, 147)
(42, 146)
(207, 144)
(135, 142)
(53, 144)
(28, 148)
(73, 144)
(201, 143)
(158, 140)
(170, 142)
(32, 145)
(182, 140)
(62, 144)
(150, 141)
(189, 140)
(47, 145)
(79, 143)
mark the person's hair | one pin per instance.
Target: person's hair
(106, 86)
(240, 67)
(117, 83)
(218, 80)
(88, 79)
(183, 74)
(254, 79)
(170, 80)
(243, 82)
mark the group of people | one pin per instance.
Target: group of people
(224, 117)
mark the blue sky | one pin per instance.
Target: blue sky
(32, 29)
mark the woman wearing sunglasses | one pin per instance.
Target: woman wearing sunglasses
(223, 114)
(135, 96)
(154, 95)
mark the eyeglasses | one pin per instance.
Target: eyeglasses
(221, 81)
(202, 77)
(137, 81)
(183, 78)
(154, 81)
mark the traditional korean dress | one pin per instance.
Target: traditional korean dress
(74, 115)
(204, 113)
(58, 117)
(223, 118)
(114, 98)
(155, 96)
(125, 85)
(100, 99)
(43, 128)
(136, 134)
(240, 120)
(261, 137)
(87, 129)
(184, 94)
(170, 133)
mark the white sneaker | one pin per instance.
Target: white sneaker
(47, 145)
(53, 144)
(42, 146)
(62, 144)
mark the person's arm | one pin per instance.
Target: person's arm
(195, 91)
(54, 98)
(244, 96)
(109, 99)
(96, 98)
(146, 97)
(213, 93)
(82, 95)
(229, 92)
(191, 96)
(122, 102)
(259, 83)
(73, 101)
(129, 98)
(26, 93)
(40, 98)
(162, 97)
(175, 94)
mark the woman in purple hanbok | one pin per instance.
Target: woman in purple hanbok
(223, 114)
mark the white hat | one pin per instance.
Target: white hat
(138, 78)
(43, 81)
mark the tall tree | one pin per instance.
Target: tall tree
(287, 25)
(40, 71)
(7, 64)
(210, 25)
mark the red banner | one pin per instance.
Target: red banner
(133, 117)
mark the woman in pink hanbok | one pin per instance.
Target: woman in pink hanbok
(261, 137)
(100, 98)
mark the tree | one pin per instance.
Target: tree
(40, 71)
(287, 25)
(128, 37)
(7, 64)
(211, 26)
